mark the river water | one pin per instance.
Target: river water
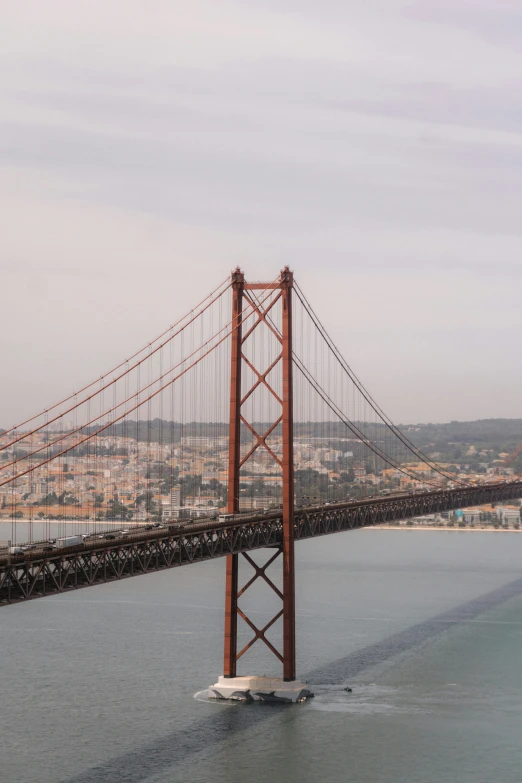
(98, 686)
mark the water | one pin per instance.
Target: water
(426, 627)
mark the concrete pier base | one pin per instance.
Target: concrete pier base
(267, 689)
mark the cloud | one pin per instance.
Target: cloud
(373, 146)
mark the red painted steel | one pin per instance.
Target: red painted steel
(230, 653)
(232, 611)
(288, 483)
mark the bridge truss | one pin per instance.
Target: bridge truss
(36, 574)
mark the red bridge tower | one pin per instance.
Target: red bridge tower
(262, 299)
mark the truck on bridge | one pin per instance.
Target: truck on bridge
(61, 543)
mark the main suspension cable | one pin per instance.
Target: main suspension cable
(230, 325)
(340, 415)
(353, 428)
(74, 395)
(418, 453)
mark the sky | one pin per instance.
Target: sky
(375, 146)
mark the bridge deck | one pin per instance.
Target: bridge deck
(37, 573)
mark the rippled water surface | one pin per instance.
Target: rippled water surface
(426, 627)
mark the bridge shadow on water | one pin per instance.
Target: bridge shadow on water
(199, 736)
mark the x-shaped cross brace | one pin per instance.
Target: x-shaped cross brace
(260, 632)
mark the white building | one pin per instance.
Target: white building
(508, 515)
(171, 506)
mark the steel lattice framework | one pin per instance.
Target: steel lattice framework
(33, 575)
(283, 297)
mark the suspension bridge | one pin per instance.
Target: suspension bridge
(239, 428)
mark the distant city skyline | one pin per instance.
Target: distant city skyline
(146, 150)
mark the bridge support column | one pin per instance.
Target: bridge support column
(288, 482)
(261, 300)
(234, 447)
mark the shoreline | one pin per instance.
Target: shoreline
(116, 523)
(489, 529)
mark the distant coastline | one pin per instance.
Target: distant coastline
(476, 529)
(101, 523)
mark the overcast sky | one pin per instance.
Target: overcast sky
(375, 146)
